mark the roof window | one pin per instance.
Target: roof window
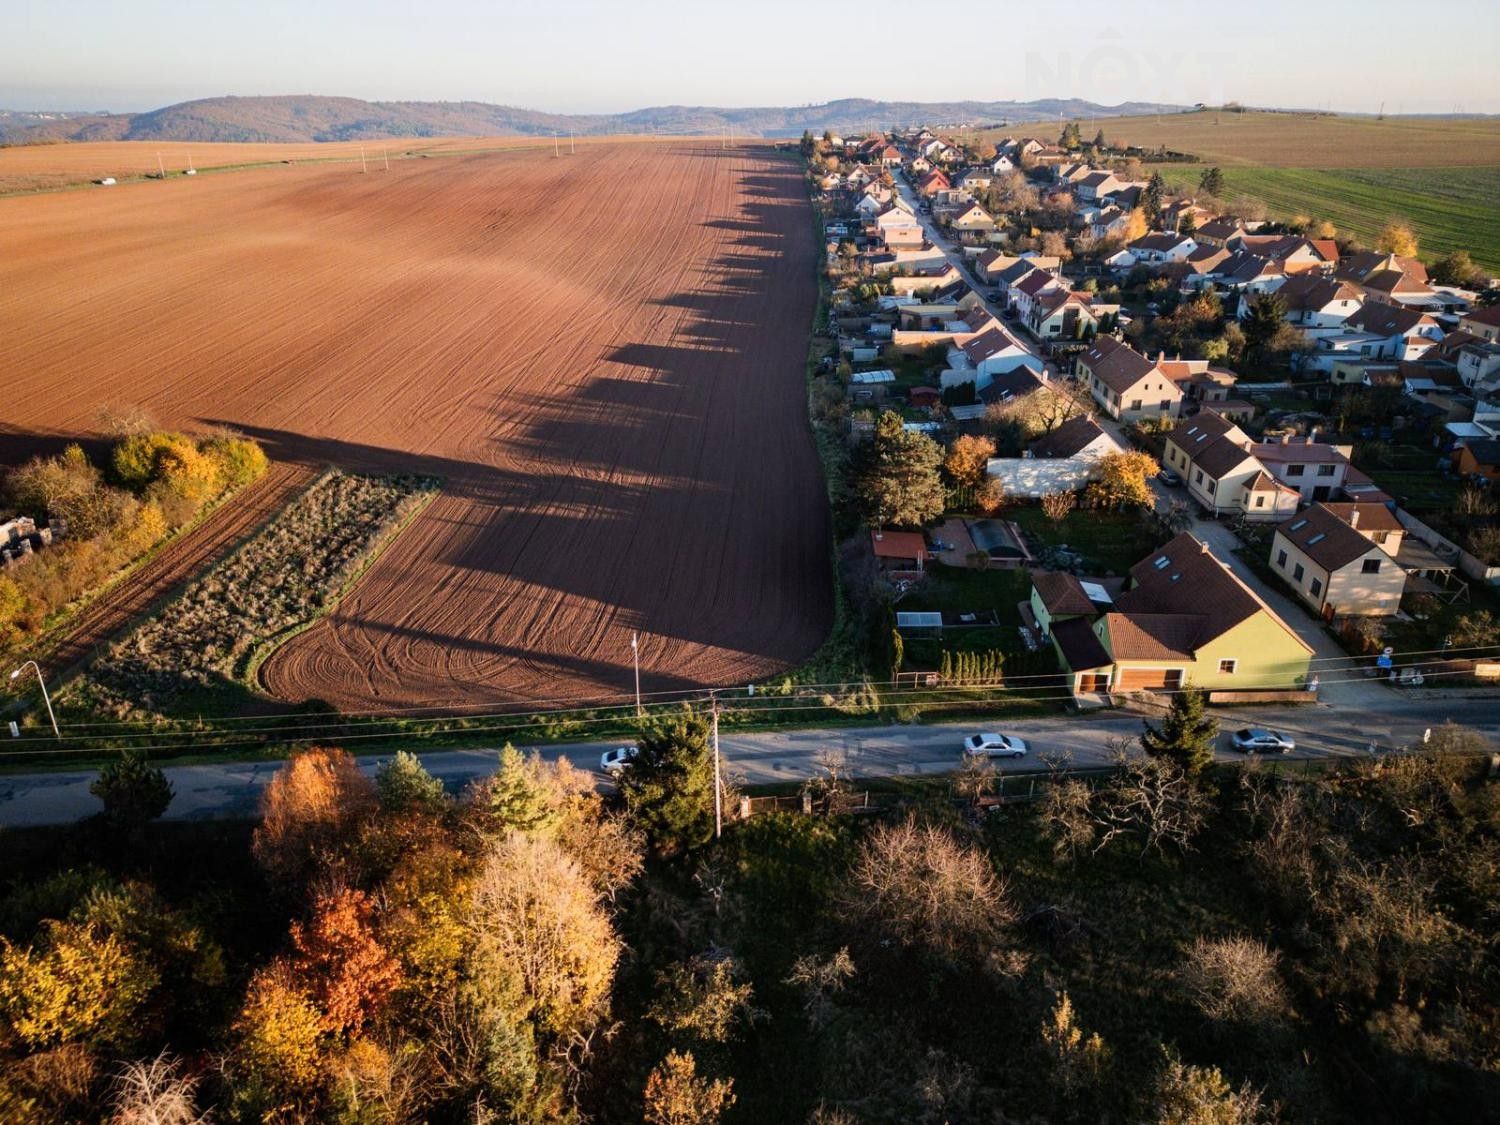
(1162, 563)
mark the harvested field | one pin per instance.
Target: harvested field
(188, 555)
(47, 167)
(602, 357)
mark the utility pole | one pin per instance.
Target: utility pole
(635, 653)
(363, 167)
(160, 167)
(571, 150)
(718, 788)
(556, 148)
(387, 156)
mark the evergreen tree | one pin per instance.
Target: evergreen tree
(1151, 200)
(1099, 142)
(1212, 182)
(669, 788)
(134, 791)
(899, 480)
(1186, 736)
(517, 798)
(1265, 322)
(403, 783)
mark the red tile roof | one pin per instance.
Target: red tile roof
(899, 545)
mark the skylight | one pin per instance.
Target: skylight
(1299, 525)
(1318, 538)
(1162, 563)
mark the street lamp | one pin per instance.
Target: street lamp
(32, 664)
(713, 700)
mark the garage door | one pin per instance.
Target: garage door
(1149, 679)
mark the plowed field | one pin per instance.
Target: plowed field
(602, 356)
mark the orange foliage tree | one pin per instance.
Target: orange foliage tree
(341, 963)
(310, 814)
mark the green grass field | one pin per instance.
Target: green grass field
(1449, 208)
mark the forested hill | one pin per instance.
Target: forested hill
(313, 118)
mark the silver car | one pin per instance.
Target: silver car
(1258, 740)
(613, 761)
(994, 746)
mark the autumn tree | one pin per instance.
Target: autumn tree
(1193, 1095)
(340, 963)
(73, 982)
(669, 788)
(1456, 268)
(1079, 1060)
(1122, 480)
(1136, 226)
(133, 791)
(897, 478)
(1397, 237)
(540, 945)
(1186, 737)
(310, 813)
(275, 1063)
(967, 460)
(676, 1095)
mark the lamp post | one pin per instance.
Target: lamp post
(635, 656)
(32, 664)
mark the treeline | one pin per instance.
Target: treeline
(151, 484)
(1163, 942)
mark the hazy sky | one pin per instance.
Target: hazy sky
(592, 55)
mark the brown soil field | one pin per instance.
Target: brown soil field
(1300, 140)
(192, 553)
(601, 355)
(48, 167)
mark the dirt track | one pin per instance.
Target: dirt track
(187, 556)
(601, 354)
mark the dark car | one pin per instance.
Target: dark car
(1169, 478)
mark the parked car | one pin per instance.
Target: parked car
(1258, 740)
(994, 746)
(1169, 478)
(613, 761)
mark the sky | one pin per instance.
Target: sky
(598, 56)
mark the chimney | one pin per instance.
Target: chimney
(1312, 436)
(1203, 547)
(1286, 439)
(1354, 516)
(1160, 355)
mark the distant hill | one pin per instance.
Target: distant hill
(312, 118)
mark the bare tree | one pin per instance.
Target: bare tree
(925, 888)
(1152, 800)
(154, 1092)
(1067, 816)
(820, 979)
(1234, 978)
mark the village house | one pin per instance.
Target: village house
(1025, 293)
(899, 550)
(1316, 305)
(1218, 232)
(1315, 469)
(1483, 323)
(1184, 620)
(973, 220)
(1159, 246)
(1480, 457)
(1334, 567)
(1002, 165)
(991, 353)
(1378, 331)
(1129, 386)
(897, 227)
(1063, 314)
(1212, 456)
(1387, 278)
(932, 183)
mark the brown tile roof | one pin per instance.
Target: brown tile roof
(1325, 538)
(899, 545)
(1308, 292)
(1036, 282)
(1309, 452)
(1371, 517)
(1220, 457)
(1184, 577)
(1489, 316)
(1062, 594)
(1153, 636)
(1069, 439)
(1117, 365)
(1196, 432)
(1386, 320)
(1011, 385)
(990, 342)
(1081, 648)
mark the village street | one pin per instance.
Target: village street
(232, 789)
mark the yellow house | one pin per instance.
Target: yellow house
(1185, 621)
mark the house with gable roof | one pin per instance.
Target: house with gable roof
(1337, 568)
(1184, 620)
(1212, 455)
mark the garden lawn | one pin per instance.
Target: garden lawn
(1110, 542)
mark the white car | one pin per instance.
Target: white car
(994, 746)
(1257, 740)
(613, 761)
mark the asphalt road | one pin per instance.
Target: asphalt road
(233, 789)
